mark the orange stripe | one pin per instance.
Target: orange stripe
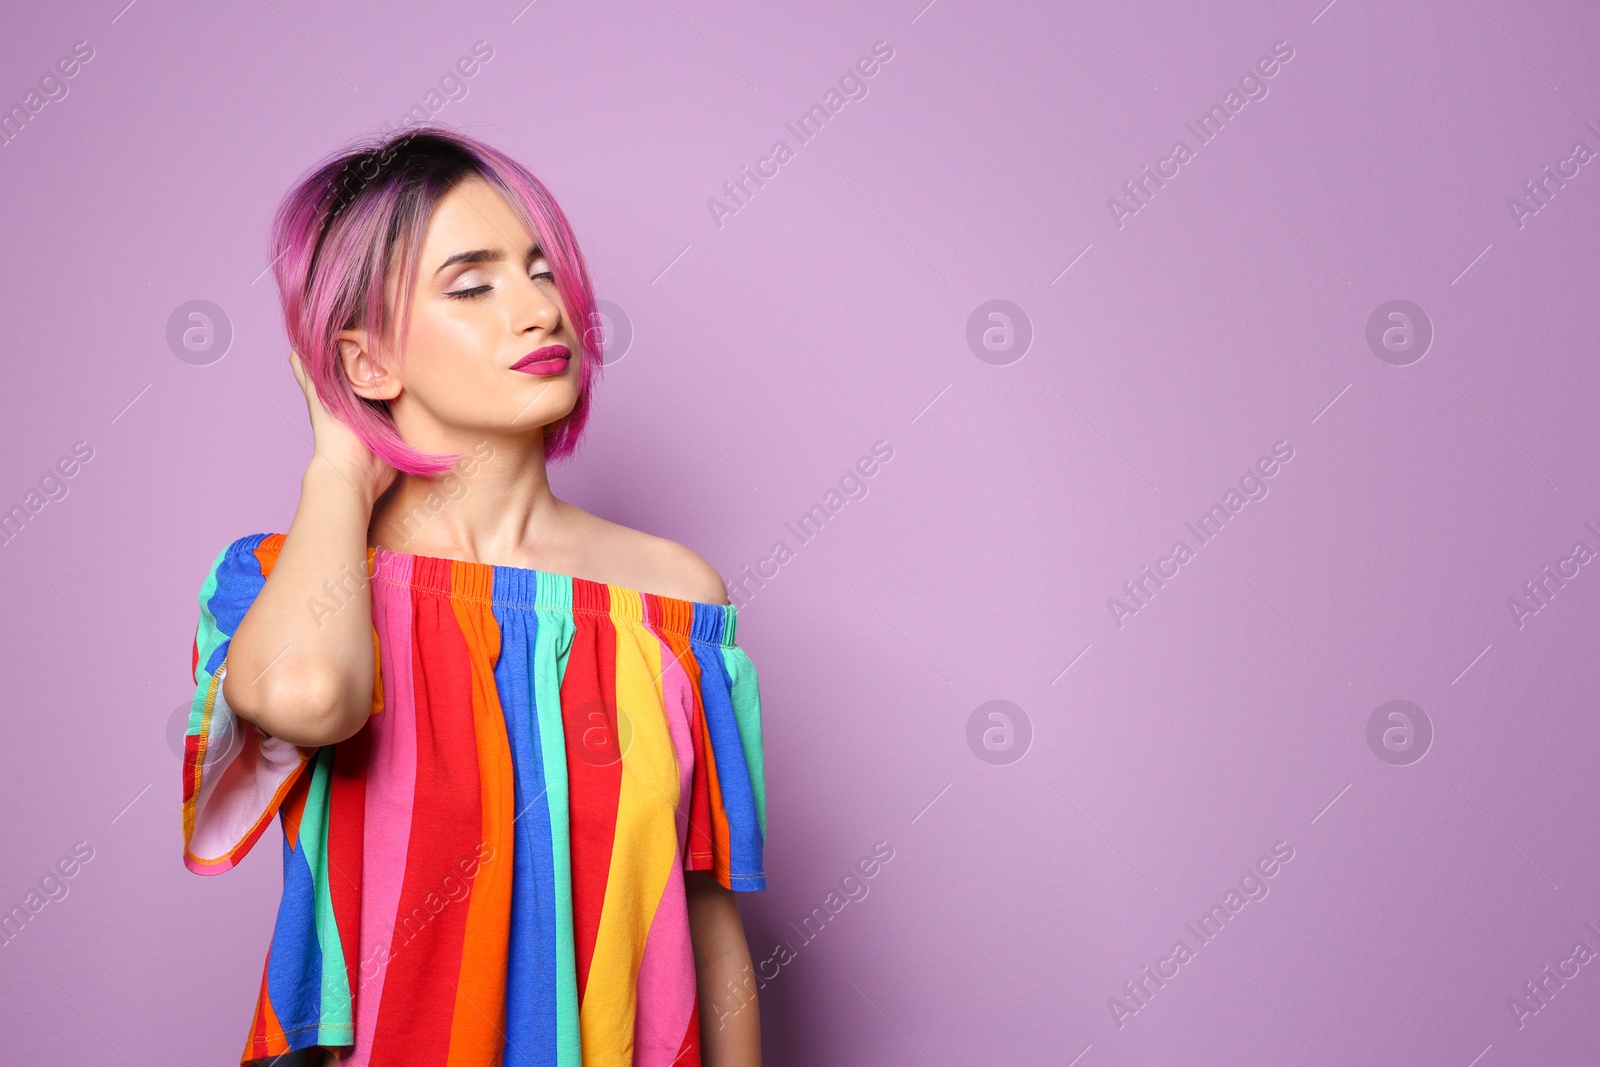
(267, 1037)
(720, 848)
(267, 551)
(719, 814)
(478, 1023)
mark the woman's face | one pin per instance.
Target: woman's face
(483, 300)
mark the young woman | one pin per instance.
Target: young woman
(514, 750)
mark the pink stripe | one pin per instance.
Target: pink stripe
(666, 989)
(677, 700)
(391, 784)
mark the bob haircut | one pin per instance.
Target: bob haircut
(340, 236)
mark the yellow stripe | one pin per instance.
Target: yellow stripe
(640, 864)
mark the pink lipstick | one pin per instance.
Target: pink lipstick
(551, 359)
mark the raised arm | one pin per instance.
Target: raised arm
(295, 668)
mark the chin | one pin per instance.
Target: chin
(555, 402)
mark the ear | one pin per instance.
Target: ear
(367, 376)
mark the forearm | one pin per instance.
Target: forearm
(301, 664)
(730, 1024)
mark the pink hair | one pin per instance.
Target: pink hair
(357, 217)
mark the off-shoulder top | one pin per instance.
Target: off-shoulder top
(491, 870)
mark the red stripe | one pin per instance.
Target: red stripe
(419, 992)
(191, 760)
(266, 1033)
(689, 1052)
(594, 763)
(698, 838)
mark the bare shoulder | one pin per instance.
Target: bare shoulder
(685, 570)
(658, 565)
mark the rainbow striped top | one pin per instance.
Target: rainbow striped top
(491, 870)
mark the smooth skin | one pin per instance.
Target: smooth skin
(309, 678)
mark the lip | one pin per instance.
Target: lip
(551, 359)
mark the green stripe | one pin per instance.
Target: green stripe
(335, 1021)
(206, 639)
(745, 690)
(551, 645)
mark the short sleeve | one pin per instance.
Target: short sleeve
(729, 774)
(235, 776)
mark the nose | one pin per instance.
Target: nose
(536, 308)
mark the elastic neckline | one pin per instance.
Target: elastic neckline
(504, 585)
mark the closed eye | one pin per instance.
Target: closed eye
(479, 290)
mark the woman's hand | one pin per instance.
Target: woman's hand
(337, 444)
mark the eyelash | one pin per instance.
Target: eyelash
(479, 290)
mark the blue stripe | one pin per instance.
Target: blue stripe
(239, 579)
(733, 774)
(531, 962)
(294, 963)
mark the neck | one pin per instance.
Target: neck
(496, 505)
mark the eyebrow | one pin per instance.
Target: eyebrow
(482, 255)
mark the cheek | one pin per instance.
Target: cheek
(456, 367)
(450, 351)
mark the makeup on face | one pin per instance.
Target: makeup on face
(544, 362)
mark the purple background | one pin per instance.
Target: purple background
(830, 312)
